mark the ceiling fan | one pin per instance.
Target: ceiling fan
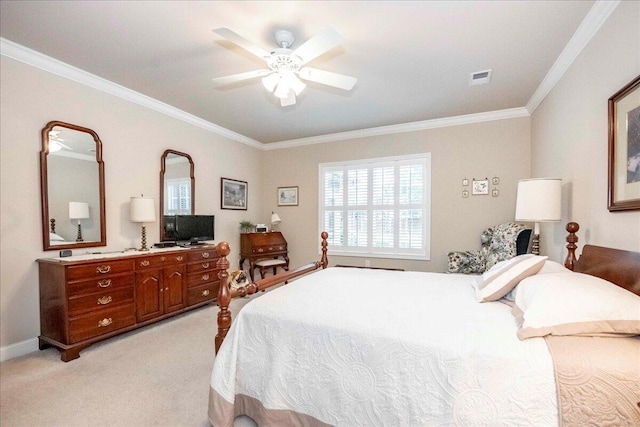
(55, 142)
(286, 66)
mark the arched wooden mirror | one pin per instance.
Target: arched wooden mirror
(177, 187)
(72, 187)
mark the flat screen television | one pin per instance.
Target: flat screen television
(190, 229)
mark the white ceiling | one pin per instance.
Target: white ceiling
(412, 59)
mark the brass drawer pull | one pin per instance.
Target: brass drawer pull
(145, 263)
(205, 265)
(205, 254)
(105, 283)
(179, 258)
(205, 292)
(205, 277)
(105, 322)
(103, 269)
(105, 300)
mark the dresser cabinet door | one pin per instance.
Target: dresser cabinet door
(174, 288)
(149, 291)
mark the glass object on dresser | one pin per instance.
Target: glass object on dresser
(72, 176)
(177, 187)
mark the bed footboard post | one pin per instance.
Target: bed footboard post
(324, 261)
(572, 228)
(224, 295)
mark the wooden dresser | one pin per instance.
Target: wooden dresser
(257, 246)
(85, 299)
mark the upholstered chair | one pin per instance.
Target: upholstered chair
(497, 244)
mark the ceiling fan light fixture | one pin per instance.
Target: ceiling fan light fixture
(293, 81)
(269, 82)
(282, 90)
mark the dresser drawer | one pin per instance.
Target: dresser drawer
(202, 277)
(206, 254)
(101, 283)
(202, 293)
(149, 262)
(268, 249)
(99, 269)
(201, 266)
(101, 300)
(170, 259)
(102, 322)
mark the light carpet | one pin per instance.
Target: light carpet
(155, 376)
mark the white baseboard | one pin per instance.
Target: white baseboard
(18, 349)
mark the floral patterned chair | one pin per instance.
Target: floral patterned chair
(498, 243)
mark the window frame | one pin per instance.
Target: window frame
(370, 251)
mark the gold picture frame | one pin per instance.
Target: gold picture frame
(624, 148)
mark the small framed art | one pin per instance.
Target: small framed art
(233, 194)
(287, 196)
(624, 148)
(480, 186)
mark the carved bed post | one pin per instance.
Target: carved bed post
(572, 239)
(224, 295)
(324, 260)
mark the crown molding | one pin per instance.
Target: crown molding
(597, 16)
(36, 59)
(510, 113)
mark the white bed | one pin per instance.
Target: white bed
(423, 353)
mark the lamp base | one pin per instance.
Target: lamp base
(144, 239)
(79, 238)
(535, 244)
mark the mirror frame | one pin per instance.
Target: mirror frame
(44, 189)
(163, 168)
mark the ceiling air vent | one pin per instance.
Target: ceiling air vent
(480, 77)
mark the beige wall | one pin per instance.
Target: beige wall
(499, 148)
(569, 135)
(134, 139)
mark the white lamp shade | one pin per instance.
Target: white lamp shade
(142, 209)
(78, 210)
(539, 200)
(275, 219)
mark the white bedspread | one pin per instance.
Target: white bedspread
(357, 347)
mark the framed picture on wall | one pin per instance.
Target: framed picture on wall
(480, 186)
(624, 148)
(287, 196)
(233, 194)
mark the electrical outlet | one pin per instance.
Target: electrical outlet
(367, 263)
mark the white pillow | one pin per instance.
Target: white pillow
(574, 304)
(505, 275)
(553, 267)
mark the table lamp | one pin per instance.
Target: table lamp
(142, 210)
(539, 200)
(79, 210)
(275, 220)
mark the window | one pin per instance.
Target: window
(178, 197)
(377, 207)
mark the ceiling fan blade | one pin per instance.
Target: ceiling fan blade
(290, 100)
(242, 42)
(65, 146)
(327, 78)
(234, 78)
(322, 42)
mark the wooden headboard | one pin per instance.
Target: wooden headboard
(615, 265)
